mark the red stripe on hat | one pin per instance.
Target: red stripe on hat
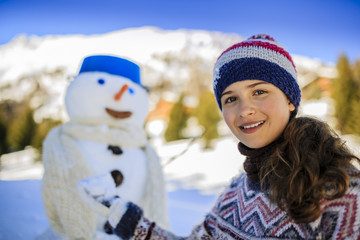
(266, 45)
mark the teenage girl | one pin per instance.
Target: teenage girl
(299, 181)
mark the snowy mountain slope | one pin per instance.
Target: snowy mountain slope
(33, 54)
(49, 63)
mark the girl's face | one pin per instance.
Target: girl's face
(255, 111)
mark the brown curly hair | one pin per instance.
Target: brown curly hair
(310, 164)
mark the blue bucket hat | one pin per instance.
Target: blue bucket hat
(112, 65)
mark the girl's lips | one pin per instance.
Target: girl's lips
(251, 127)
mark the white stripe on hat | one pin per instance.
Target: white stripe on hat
(255, 52)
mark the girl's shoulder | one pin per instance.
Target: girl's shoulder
(236, 184)
(237, 180)
(354, 185)
(353, 171)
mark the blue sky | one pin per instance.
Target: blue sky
(315, 28)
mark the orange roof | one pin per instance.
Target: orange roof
(161, 111)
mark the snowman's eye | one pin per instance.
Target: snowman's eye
(101, 81)
(131, 91)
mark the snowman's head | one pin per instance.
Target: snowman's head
(108, 91)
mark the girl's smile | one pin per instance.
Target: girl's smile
(256, 111)
(249, 125)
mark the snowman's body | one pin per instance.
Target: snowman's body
(131, 162)
(107, 107)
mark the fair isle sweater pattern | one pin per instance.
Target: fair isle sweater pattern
(244, 212)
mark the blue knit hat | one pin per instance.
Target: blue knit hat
(258, 58)
(112, 65)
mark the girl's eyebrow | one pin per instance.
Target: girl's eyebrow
(248, 86)
(257, 83)
(225, 93)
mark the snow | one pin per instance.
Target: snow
(321, 109)
(22, 212)
(194, 179)
(208, 171)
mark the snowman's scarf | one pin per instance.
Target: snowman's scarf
(65, 165)
(126, 136)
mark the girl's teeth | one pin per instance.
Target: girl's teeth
(253, 125)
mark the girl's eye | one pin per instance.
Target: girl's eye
(259, 92)
(101, 81)
(230, 99)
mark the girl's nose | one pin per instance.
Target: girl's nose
(121, 92)
(246, 109)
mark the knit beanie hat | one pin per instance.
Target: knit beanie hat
(258, 58)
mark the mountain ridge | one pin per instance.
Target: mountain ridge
(50, 62)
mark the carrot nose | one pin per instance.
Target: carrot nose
(122, 90)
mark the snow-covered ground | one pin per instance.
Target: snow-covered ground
(194, 179)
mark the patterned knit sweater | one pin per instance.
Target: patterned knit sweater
(242, 211)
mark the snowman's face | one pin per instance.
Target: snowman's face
(102, 98)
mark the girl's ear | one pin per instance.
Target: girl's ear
(291, 107)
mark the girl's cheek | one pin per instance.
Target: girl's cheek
(271, 104)
(227, 117)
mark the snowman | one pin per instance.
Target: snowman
(107, 106)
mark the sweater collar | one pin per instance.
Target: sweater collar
(256, 157)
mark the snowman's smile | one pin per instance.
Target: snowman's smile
(118, 114)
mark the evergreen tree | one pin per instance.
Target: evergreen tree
(353, 125)
(7, 114)
(177, 121)
(21, 130)
(208, 117)
(343, 92)
(356, 72)
(3, 132)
